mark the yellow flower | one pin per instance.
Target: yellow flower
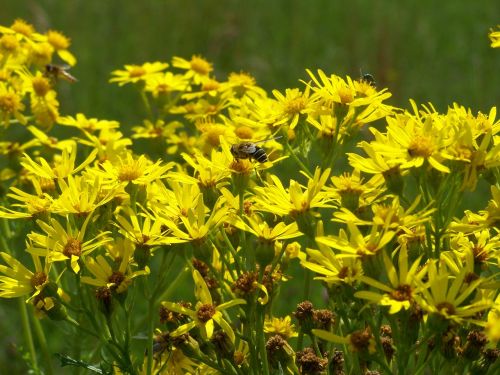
(40, 54)
(63, 167)
(10, 105)
(117, 279)
(195, 228)
(20, 281)
(127, 169)
(137, 73)
(61, 43)
(450, 296)
(292, 105)
(402, 283)
(206, 314)
(90, 125)
(492, 328)
(328, 266)
(59, 244)
(293, 201)
(33, 205)
(143, 230)
(358, 245)
(197, 68)
(414, 140)
(495, 37)
(81, 196)
(243, 85)
(280, 326)
(166, 83)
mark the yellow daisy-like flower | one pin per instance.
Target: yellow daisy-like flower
(206, 314)
(492, 328)
(10, 105)
(81, 196)
(61, 43)
(127, 169)
(450, 296)
(328, 266)
(197, 68)
(138, 73)
(63, 167)
(495, 37)
(403, 283)
(32, 205)
(59, 244)
(106, 275)
(195, 227)
(280, 326)
(293, 104)
(414, 140)
(90, 125)
(166, 83)
(295, 200)
(40, 54)
(358, 245)
(19, 281)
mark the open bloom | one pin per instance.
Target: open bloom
(401, 286)
(205, 314)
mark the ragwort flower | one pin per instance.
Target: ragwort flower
(206, 314)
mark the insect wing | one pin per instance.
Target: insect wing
(247, 148)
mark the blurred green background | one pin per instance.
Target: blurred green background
(425, 50)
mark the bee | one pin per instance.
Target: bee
(368, 78)
(55, 72)
(250, 150)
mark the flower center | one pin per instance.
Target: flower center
(41, 85)
(38, 279)
(137, 71)
(200, 65)
(72, 247)
(402, 293)
(21, 27)
(205, 312)
(446, 307)
(129, 172)
(294, 106)
(346, 95)
(10, 103)
(57, 40)
(116, 278)
(9, 43)
(421, 146)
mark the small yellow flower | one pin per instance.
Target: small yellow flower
(137, 73)
(61, 43)
(197, 68)
(206, 314)
(280, 326)
(495, 37)
(19, 281)
(117, 279)
(59, 244)
(10, 105)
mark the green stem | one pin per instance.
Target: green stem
(262, 342)
(42, 342)
(28, 337)
(298, 161)
(147, 105)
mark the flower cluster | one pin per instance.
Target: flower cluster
(241, 194)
